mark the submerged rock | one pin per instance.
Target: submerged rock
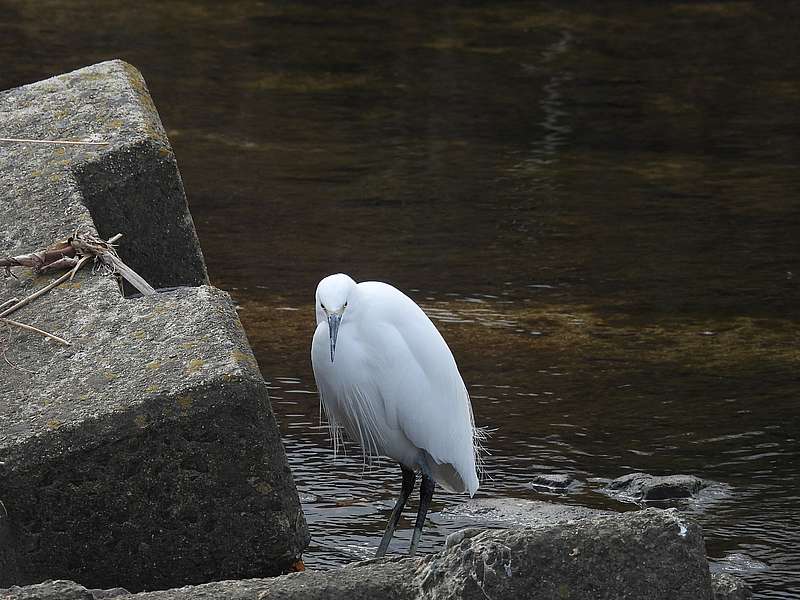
(737, 562)
(647, 488)
(554, 482)
(649, 554)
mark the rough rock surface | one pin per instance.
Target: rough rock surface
(8, 554)
(646, 487)
(517, 512)
(650, 554)
(48, 590)
(144, 455)
(728, 587)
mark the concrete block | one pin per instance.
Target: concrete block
(145, 455)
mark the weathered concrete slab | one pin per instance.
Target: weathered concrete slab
(144, 455)
(517, 512)
(645, 554)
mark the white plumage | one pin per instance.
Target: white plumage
(386, 376)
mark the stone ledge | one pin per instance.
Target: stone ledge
(645, 554)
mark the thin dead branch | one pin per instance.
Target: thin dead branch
(66, 262)
(4, 348)
(40, 259)
(8, 302)
(36, 294)
(56, 282)
(72, 253)
(77, 267)
(60, 340)
(129, 274)
(68, 142)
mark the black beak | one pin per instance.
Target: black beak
(333, 329)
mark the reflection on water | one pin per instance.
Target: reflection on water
(597, 206)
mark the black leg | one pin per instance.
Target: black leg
(409, 478)
(425, 495)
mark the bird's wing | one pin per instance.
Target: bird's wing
(423, 393)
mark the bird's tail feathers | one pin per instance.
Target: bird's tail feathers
(479, 437)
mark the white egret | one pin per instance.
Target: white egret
(386, 376)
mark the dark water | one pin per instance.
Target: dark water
(596, 202)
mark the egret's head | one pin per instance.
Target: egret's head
(333, 294)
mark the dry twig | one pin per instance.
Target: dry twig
(35, 295)
(69, 275)
(36, 330)
(71, 253)
(3, 348)
(8, 302)
(41, 259)
(69, 142)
